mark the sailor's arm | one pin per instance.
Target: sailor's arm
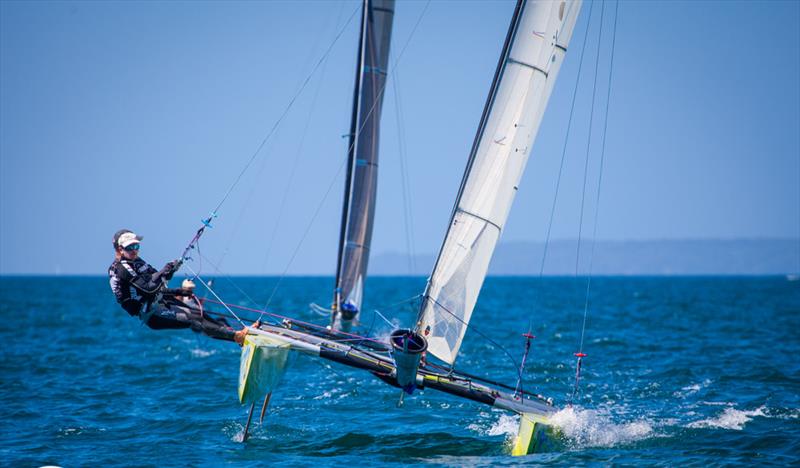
(119, 279)
(149, 285)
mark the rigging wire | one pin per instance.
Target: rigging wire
(207, 221)
(564, 150)
(311, 52)
(404, 184)
(242, 212)
(566, 140)
(600, 176)
(295, 164)
(208, 287)
(327, 192)
(478, 331)
(286, 110)
(580, 354)
(303, 237)
(589, 137)
(230, 280)
(379, 314)
(398, 303)
(401, 302)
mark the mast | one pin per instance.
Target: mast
(358, 209)
(534, 49)
(351, 151)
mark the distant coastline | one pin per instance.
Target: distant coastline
(647, 257)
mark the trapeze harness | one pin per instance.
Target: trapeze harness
(140, 290)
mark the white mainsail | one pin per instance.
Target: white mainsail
(538, 37)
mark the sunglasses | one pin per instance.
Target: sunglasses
(132, 247)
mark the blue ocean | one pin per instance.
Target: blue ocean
(680, 371)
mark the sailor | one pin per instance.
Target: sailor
(141, 290)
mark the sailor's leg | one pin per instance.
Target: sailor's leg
(216, 330)
(204, 324)
(218, 320)
(195, 310)
(164, 318)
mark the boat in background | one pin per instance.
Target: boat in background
(361, 183)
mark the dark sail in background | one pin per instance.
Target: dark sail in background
(362, 176)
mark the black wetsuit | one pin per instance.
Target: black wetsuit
(138, 288)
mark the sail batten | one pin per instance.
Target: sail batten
(362, 176)
(538, 36)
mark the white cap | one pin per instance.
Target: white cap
(127, 239)
(188, 284)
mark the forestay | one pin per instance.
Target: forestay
(362, 177)
(534, 49)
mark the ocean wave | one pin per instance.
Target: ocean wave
(731, 418)
(595, 428)
(691, 389)
(202, 353)
(506, 424)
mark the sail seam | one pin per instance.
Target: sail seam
(527, 65)
(513, 27)
(461, 210)
(377, 70)
(355, 245)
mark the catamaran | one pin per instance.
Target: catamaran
(423, 356)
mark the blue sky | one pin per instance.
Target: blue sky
(141, 115)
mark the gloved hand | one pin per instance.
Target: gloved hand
(170, 268)
(174, 265)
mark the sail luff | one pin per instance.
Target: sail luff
(360, 199)
(484, 116)
(539, 34)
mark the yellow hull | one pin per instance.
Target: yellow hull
(535, 435)
(262, 364)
